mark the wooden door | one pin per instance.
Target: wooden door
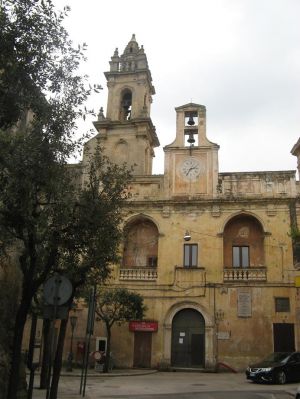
(284, 337)
(197, 350)
(188, 333)
(142, 349)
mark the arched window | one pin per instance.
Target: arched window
(243, 242)
(126, 102)
(141, 244)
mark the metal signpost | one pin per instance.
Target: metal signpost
(73, 322)
(89, 332)
(57, 291)
(32, 360)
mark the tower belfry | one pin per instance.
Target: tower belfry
(127, 132)
(191, 160)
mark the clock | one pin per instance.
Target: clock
(190, 168)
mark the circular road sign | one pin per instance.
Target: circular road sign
(57, 290)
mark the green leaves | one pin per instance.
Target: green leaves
(119, 304)
(62, 224)
(38, 62)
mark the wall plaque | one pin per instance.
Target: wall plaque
(223, 335)
(244, 304)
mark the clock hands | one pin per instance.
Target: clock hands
(193, 167)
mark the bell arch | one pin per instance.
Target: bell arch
(125, 104)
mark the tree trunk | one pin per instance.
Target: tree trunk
(46, 353)
(20, 321)
(58, 359)
(107, 357)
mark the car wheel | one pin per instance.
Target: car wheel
(280, 377)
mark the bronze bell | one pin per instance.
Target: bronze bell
(191, 121)
(191, 139)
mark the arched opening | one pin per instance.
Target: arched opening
(126, 103)
(188, 339)
(141, 244)
(243, 243)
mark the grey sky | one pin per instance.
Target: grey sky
(239, 58)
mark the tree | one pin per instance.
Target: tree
(9, 291)
(92, 234)
(117, 305)
(73, 231)
(38, 66)
(54, 221)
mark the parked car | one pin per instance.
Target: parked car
(278, 368)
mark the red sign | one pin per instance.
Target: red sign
(143, 326)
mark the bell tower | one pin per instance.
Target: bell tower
(191, 161)
(127, 132)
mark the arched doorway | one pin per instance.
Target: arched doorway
(188, 339)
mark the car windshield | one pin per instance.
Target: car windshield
(278, 357)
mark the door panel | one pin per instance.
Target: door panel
(180, 347)
(284, 337)
(188, 348)
(142, 349)
(197, 349)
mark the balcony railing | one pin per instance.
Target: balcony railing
(245, 274)
(139, 274)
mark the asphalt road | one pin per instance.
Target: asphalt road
(209, 395)
(180, 385)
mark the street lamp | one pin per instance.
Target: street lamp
(187, 236)
(73, 321)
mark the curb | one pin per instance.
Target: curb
(121, 373)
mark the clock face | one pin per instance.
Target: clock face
(190, 168)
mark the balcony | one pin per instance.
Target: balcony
(245, 274)
(139, 274)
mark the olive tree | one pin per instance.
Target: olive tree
(54, 221)
(117, 305)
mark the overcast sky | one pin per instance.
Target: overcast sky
(239, 58)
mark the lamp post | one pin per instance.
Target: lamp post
(187, 236)
(73, 321)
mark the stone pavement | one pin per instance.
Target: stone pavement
(133, 383)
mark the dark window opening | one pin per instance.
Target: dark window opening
(152, 261)
(240, 256)
(282, 304)
(126, 106)
(296, 252)
(190, 257)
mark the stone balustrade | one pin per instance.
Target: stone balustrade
(139, 273)
(245, 274)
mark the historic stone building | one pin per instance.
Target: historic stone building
(210, 252)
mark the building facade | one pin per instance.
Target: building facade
(210, 252)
